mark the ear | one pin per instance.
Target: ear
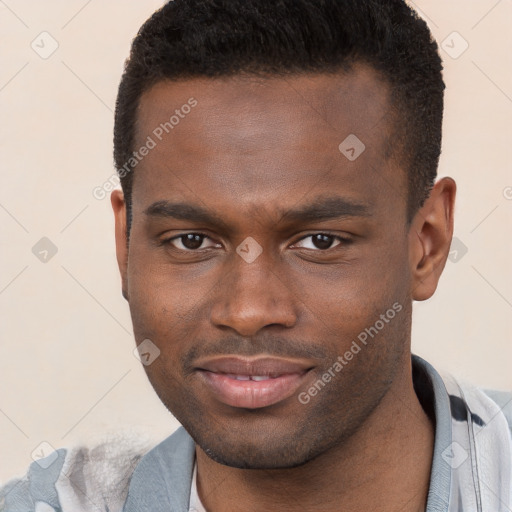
(430, 237)
(119, 207)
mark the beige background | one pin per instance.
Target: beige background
(67, 371)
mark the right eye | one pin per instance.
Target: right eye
(188, 242)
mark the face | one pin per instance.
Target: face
(263, 256)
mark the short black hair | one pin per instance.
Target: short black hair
(214, 38)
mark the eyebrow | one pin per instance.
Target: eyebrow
(326, 208)
(322, 208)
(184, 211)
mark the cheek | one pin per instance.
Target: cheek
(360, 315)
(350, 296)
(169, 319)
(165, 298)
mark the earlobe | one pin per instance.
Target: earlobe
(119, 207)
(430, 237)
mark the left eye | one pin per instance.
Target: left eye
(323, 241)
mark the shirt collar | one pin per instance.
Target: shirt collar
(432, 393)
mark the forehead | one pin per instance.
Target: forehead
(266, 139)
(356, 100)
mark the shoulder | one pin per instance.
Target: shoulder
(81, 478)
(490, 405)
(163, 477)
(503, 400)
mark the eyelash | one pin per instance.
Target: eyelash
(342, 240)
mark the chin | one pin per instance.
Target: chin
(255, 460)
(276, 448)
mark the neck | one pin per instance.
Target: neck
(384, 466)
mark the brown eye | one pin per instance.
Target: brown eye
(188, 241)
(321, 241)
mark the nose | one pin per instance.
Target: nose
(252, 296)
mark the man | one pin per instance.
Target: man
(279, 213)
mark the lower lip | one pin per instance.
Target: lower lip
(251, 394)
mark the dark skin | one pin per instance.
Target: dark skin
(250, 151)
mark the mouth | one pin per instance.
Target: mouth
(255, 383)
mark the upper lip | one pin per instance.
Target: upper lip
(255, 366)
